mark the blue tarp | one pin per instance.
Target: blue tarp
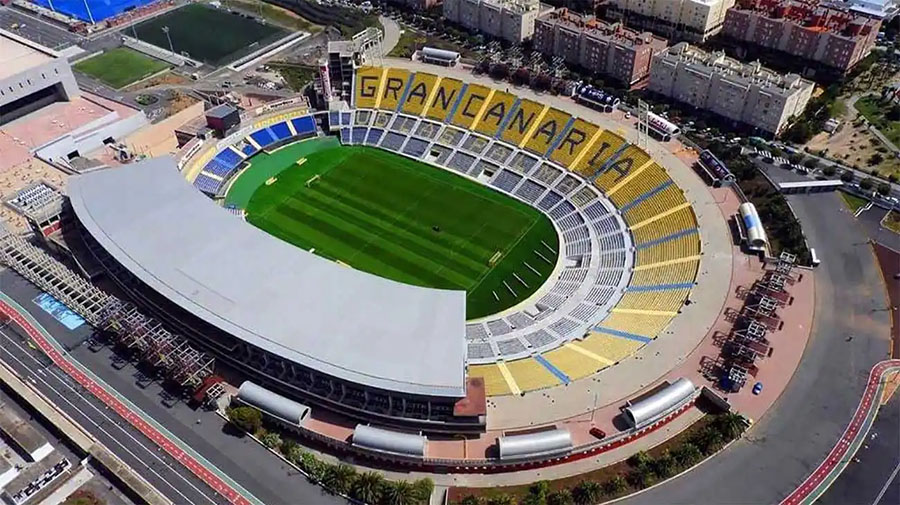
(59, 311)
(99, 9)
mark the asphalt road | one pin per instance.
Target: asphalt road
(36, 30)
(168, 476)
(874, 477)
(245, 461)
(789, 442)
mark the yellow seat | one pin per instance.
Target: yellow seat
(648, 325)
(598, 153)
(494, 383)
(531, 375)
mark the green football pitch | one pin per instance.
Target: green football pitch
(404, 220)
(120, 66)
(211, 35)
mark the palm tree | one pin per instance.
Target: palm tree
(398, 493)
(339, 478)
(687, 454)
(615, 485)
(367, 487)
(501, 499)
(424, 488)
(560, 497)
(586, 492)
(732, 425)
(664, 466)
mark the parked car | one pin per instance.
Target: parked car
(757, 388)
(598, 433)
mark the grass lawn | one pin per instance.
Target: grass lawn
(394, 217)
(214, 36)
(874, 111)
(853, 202)
(274, 14)
(892, 221)
(120, 67)
(411, 40)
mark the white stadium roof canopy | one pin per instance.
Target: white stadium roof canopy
(342, 322)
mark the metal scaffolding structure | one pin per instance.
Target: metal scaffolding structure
(180, 361)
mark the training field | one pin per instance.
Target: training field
(211, 35)
(120, 67)
(385, 214)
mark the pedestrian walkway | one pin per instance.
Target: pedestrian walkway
(842, 454)
(182, 453)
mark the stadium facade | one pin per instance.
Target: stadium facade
(380, 351)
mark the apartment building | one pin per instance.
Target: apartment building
(817, 32)
(744, 92)
(597, 46)
(510, 20)
(694, 20)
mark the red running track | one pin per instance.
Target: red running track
(845, 443)
(124, 412)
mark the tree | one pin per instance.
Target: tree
(640, 460)
(687, 454)
(875, 159)
(884, 189)
(810, 163)
(586, 492)
(312, 466)
(339, 478)
(640, 477)
(866, 184)
(708, 440)
(424, 489)
(731, 425)
(846, 176)
(248, 419)
(615, 485)
(560, 497)
(367, 487)
(829, 171)
(471, 500)
(271, 439)
(287, 446)
(664, 466)
(398, 493)
(537, 493)
(501, 499)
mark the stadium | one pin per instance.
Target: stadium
(515, 247)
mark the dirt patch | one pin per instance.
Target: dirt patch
(853, 145)
(166, 79)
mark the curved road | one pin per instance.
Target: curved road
(818, 482)
(789, 441)
(233, 493)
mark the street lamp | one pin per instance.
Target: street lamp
(165, 30)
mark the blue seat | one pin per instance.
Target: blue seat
(280, 131)
(262, 137)
(304, 125)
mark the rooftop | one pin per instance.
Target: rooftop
(21, 136)
(19, 431)
(599, 28)
(813, 14)
(342, 322)
(716, 62)
(18, 54)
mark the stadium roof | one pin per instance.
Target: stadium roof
(343, 322)
(18, 54)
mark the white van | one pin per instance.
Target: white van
(813, 258)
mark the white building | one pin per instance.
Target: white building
(695, 20)
(511, 20)
(744, 92)
(31, 77)
(879, 9)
